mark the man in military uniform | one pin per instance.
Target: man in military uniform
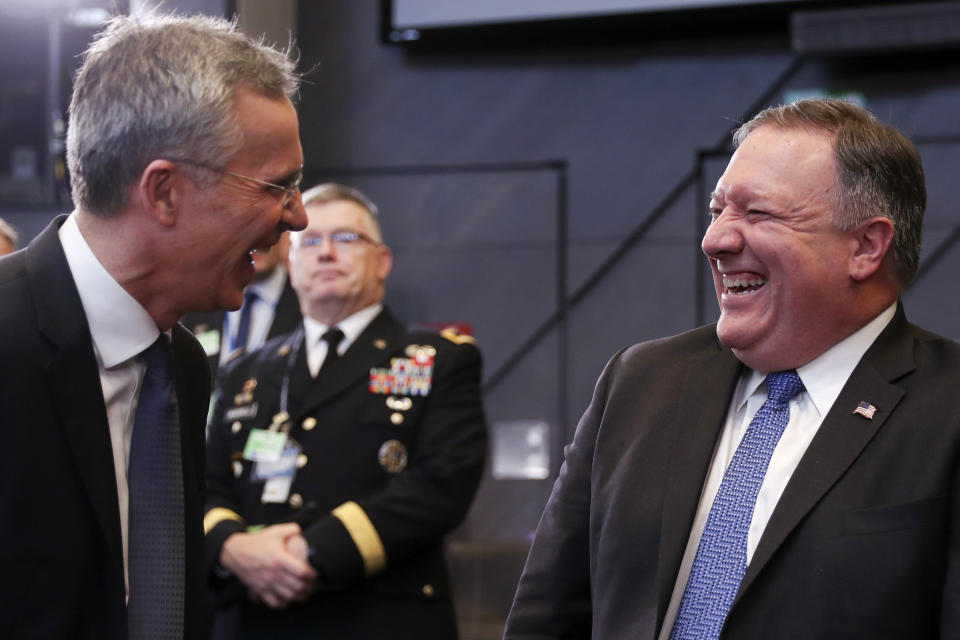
(340, 454)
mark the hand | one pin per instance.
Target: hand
(272, 563)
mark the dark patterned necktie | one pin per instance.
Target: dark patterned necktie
(332, 337)
(721, 560)
(156, 553)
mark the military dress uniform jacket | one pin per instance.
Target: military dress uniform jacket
(208, 325)
(61, 556)
(393, 440)
(864, 543)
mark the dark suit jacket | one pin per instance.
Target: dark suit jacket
(863, 544)
(61, 562)
(286, 317)
(354, 439)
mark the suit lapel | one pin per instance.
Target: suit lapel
(841, 437)
(74, 378)
(381, 338)
(705, 395)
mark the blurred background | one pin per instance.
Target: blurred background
(542, 170)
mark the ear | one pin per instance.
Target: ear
(384, 262)
(159, 190)
(872, 239)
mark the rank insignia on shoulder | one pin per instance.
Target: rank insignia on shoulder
(392, 456)
(456, 337)
(380, 343)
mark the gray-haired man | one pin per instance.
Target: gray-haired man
(184, 155)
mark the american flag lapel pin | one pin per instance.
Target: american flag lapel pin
(866, 410)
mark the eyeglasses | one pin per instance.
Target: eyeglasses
(338, 238)
(287, 191)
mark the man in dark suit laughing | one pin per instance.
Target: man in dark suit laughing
(184, 156)
(792, 471)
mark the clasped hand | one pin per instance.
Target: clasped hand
(272, 563)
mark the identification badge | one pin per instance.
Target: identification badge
(276, 489)
(285, 465)
(264, 446)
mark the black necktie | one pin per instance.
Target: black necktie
(156, 555)
(332, 337)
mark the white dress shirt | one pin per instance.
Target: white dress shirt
(120, 328)
(823, 378)
(262, 312)
(352, 327)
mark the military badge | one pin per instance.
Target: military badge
(406, 376)
(246, 395)
(392, 456)
(399, 404)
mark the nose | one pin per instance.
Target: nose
(294, 214)
(723, 236)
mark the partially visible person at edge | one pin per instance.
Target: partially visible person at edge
(8, 238)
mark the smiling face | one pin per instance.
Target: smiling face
(781, 268)
(334, 280)
(236, 216)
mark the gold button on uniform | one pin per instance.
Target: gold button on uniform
(296, 501)
(396, 418)
(301, 461)
(428, 590)
(309, 423)
(236, 426)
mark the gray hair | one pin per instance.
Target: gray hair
(331, 192)
(8, 232)
(162, 86)
(879, 172)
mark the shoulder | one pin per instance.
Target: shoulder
(443, 344)
(274, 350)
(681, 347)
(935, 351)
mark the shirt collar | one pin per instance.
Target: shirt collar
(824, 376)
(119, 326)
(352, 327)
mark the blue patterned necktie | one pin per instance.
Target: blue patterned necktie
(156, 553)
(721, 559)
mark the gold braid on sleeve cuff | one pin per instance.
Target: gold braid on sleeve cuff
(217, 515)
(364, 535)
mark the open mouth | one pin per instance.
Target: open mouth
(737, 285)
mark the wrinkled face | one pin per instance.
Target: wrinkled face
(236, 216)
(334, 275)
(781, 268)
